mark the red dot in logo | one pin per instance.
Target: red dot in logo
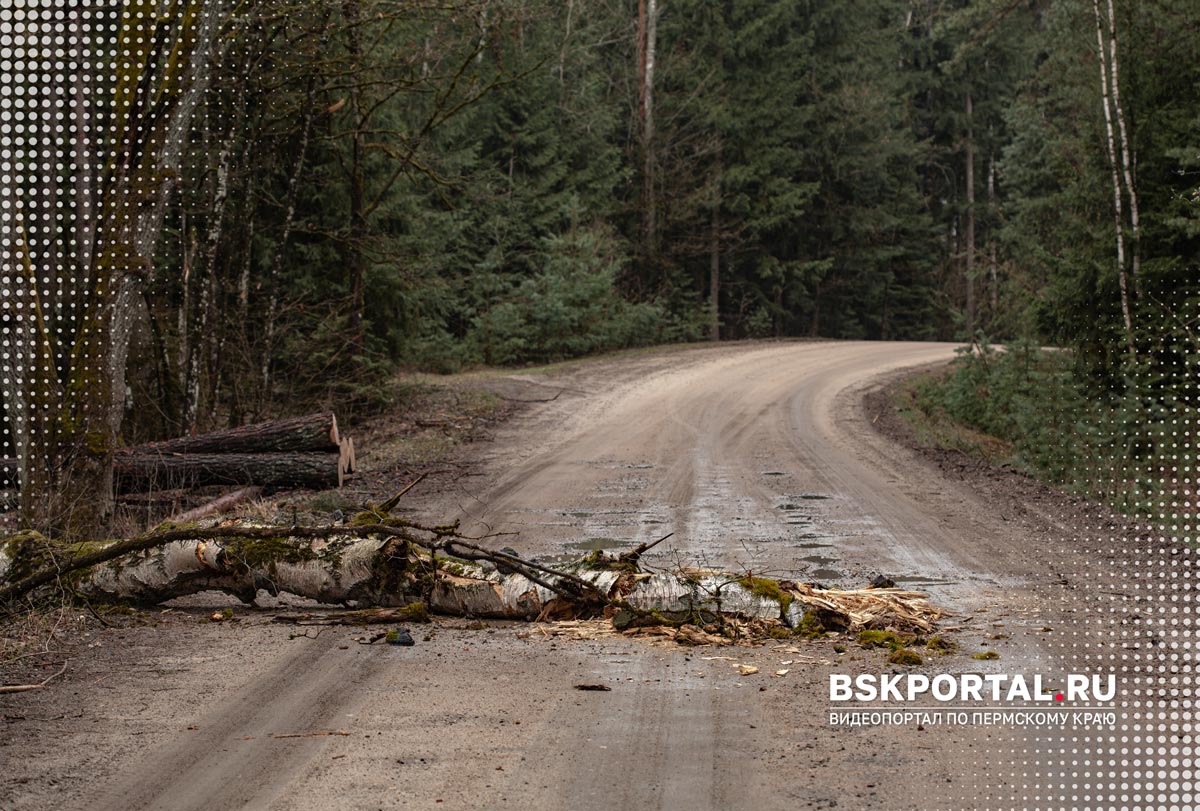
(1058, 696)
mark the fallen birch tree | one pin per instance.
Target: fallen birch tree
(378, 561)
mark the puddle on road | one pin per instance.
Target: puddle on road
(813, 545)
(826, 575)
(924, 581)
(571, 550)
(820, 560)
(595, 544)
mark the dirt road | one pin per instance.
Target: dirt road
(755, 459)
(760, 457)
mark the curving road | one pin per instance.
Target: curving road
(755, 458)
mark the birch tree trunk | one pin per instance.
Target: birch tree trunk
(276, 268)
(970, 225)
(1126, 162)
(384, 566)
(648, 9)
(714, 261)
(1118, 209)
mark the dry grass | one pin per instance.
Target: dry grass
(933, 429)
(38, 631)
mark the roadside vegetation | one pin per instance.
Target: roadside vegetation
(1130, 446)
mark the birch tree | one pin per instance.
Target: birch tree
(1105, 55)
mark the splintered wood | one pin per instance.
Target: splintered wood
(849, 611)
(879, 609)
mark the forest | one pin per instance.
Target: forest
(217, 212)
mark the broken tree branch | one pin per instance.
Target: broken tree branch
(389, 505)
(218, 505)
(21, 688)
(633, 555)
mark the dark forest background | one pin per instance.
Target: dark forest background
(294, 198)
(435, 185)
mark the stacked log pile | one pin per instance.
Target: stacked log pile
(306, 452)
(297, 452)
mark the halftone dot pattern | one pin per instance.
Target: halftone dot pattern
(96, 107)
(51, 66)
(1126, 580)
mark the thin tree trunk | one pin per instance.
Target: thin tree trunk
(1118, 212)
(649, 208)
(815, 328)
(204, 310)
(641, 63)
(186, 259)
(356, 258)
(247, 264)
(970, 258)
(714, 262)
(993, 270)
(276, 268)
(562, 54)
(1126, 163)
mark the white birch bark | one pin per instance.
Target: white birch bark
(1118, 208)
(389, 572)
(1126, 162)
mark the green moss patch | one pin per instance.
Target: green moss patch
(810, 626)
(939, 644)
(904, 656)
(768, 589)
(415, 612)
(882, 639)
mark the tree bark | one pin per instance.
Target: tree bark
(970, 258)
(714, 259)
(314, 432)
(993, 265)
(356, 257)
(218, 505)
(1118, 212)
(1126, 162)
(649, 208)
(276, 267)
(160, 64)
(138, 472)
(389, 566)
